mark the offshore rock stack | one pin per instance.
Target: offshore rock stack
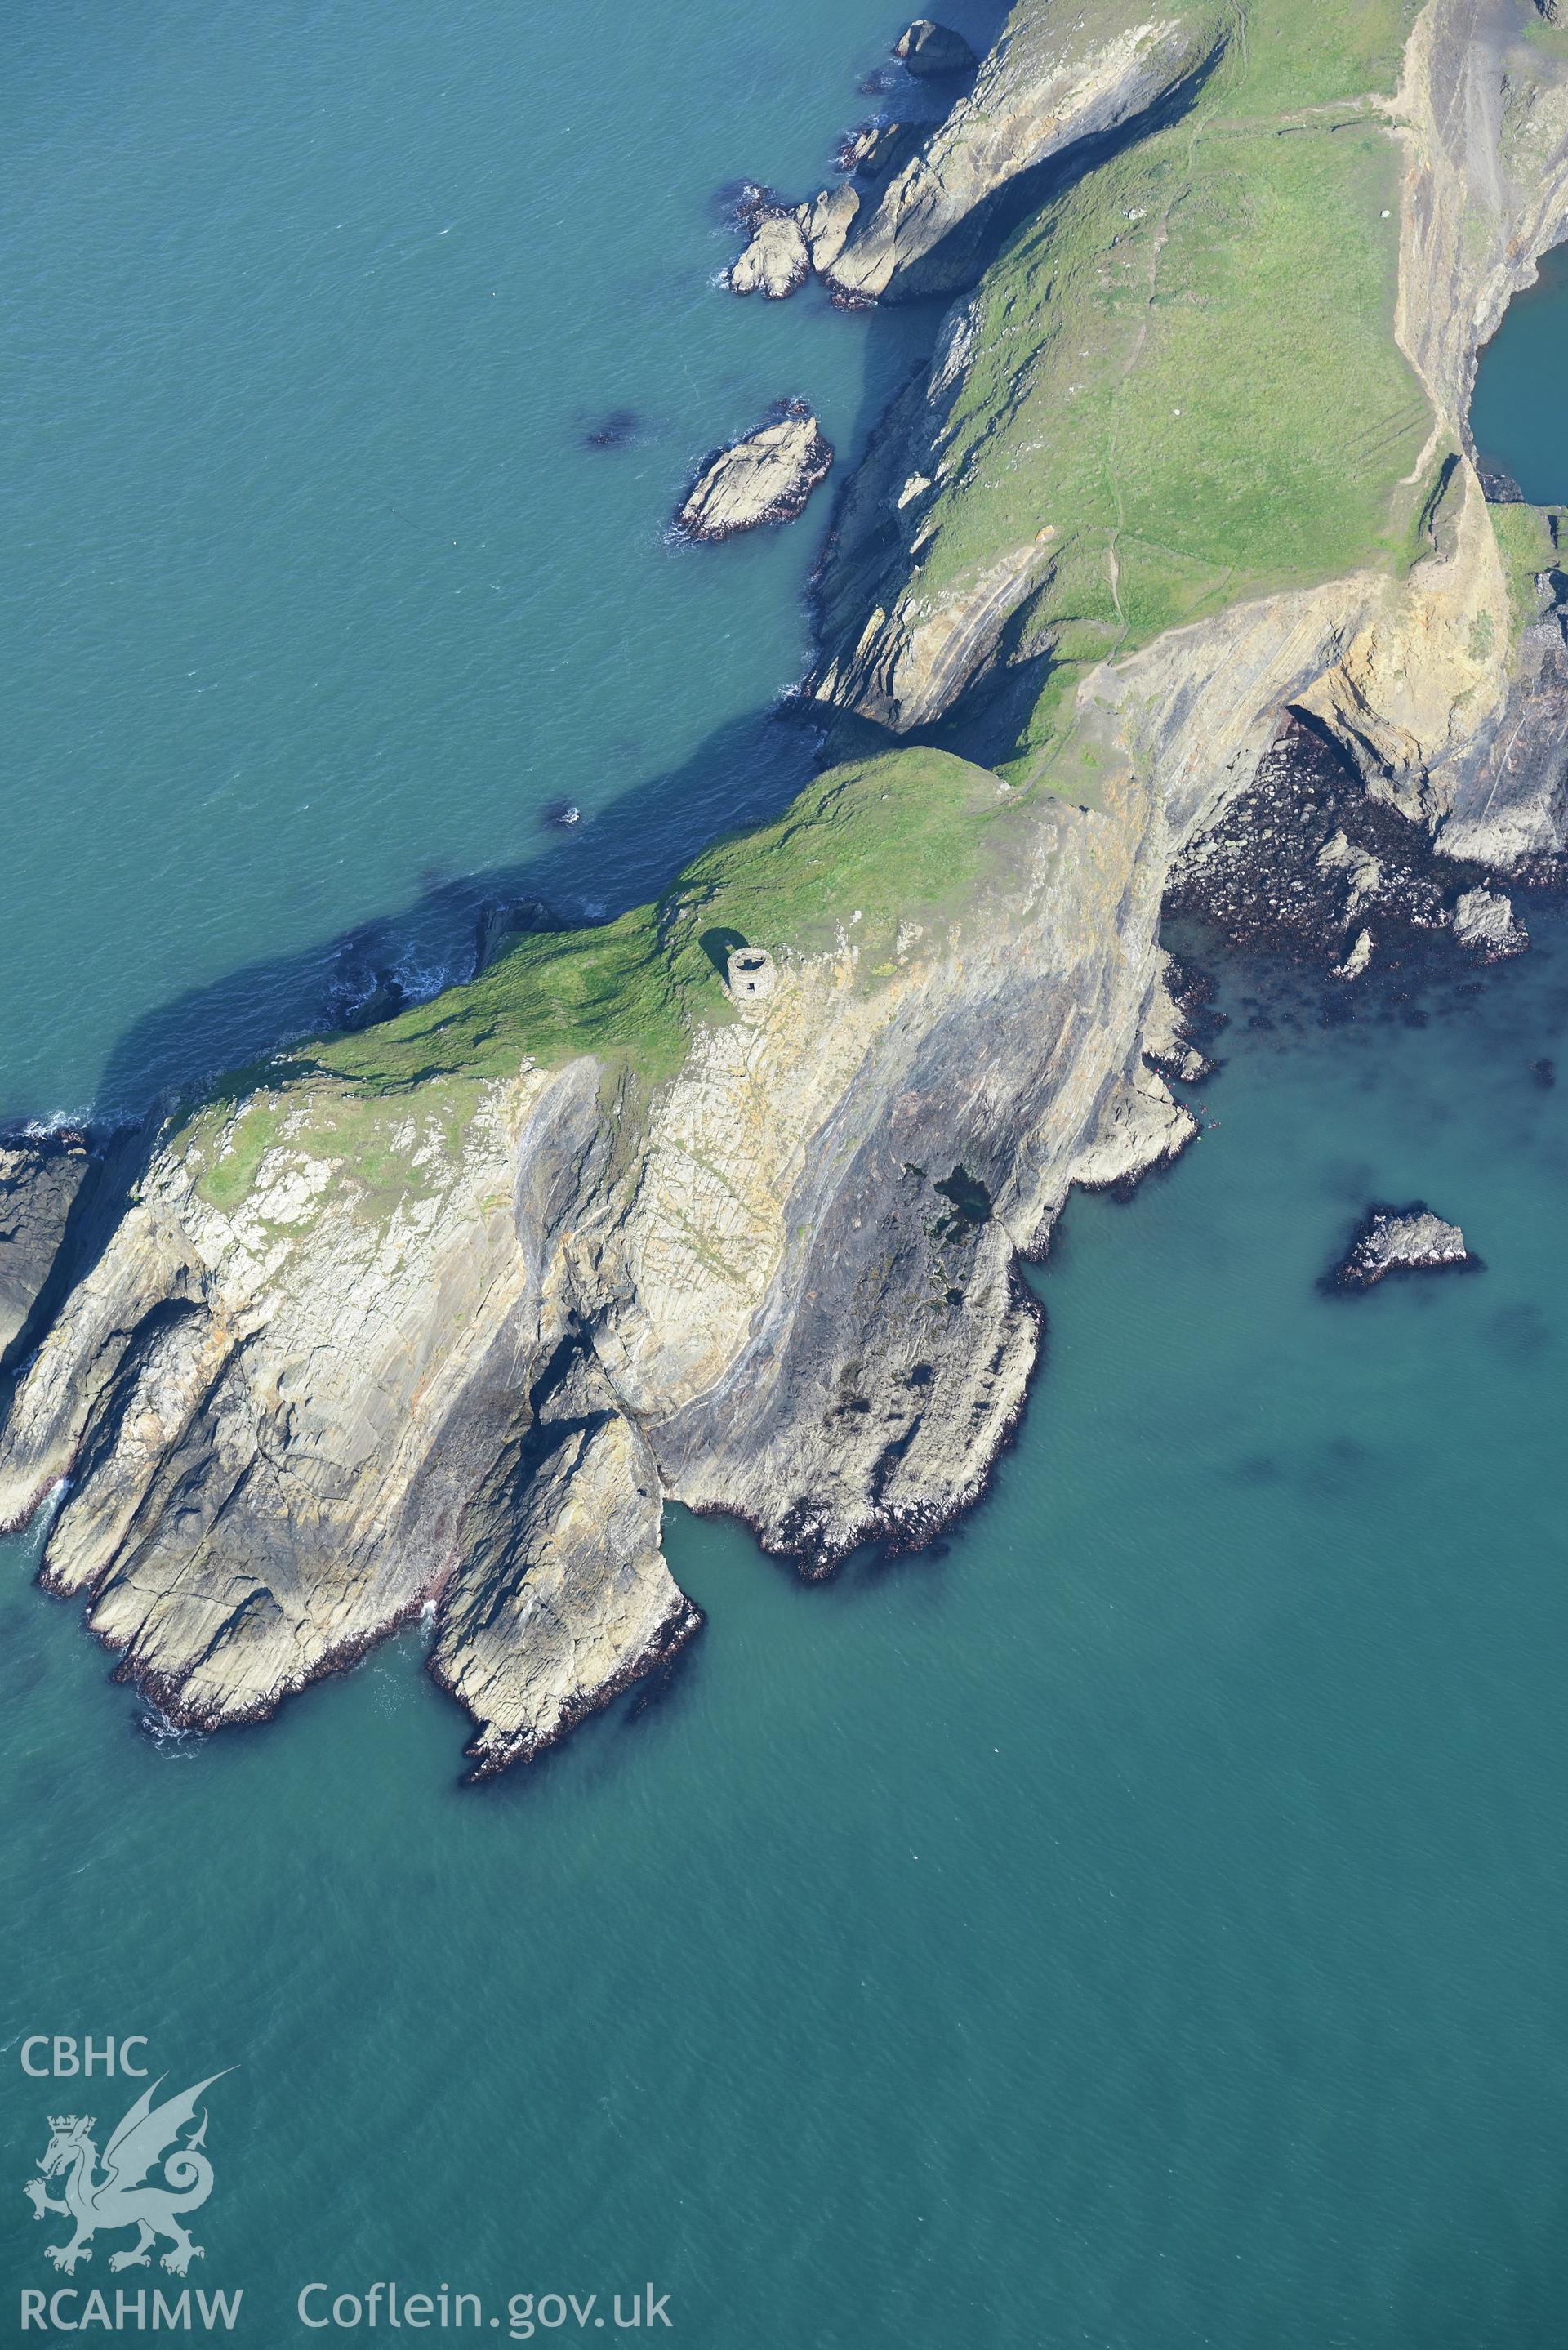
(1400, 1240)
(766, 476)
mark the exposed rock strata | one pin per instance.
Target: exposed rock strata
(1400, 1240)
(766, 477)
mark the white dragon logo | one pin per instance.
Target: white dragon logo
(124, 2197)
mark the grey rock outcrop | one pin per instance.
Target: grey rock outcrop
(1400, 1240)
(767, 476)
(825, 223)
(776, 261)
(40, 1176)
(563, 1597)
(1485, 922)
(877, 148)
(934, 52)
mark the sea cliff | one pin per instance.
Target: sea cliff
(434, 1317)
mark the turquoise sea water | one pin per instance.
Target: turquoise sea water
(1136, 1922)
(1517, 411)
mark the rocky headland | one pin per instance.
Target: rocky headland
(1179, 532)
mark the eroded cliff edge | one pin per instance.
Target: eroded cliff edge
(434, 1317)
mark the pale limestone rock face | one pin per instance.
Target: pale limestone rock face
(1428, 672)
(563, 1596)
(767, 477)
(910, 662)
(776, 262)
(878, 148)
(1486, 179)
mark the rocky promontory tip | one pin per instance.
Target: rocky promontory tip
(1400, 1240)
(776, 261)
(765, 477)
(932, 51)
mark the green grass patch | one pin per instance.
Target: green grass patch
(1185, 363)
(905, 836)
(227, 1179)
(1525, 542)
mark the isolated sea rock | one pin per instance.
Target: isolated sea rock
(931, 50)
(765, 477)
(776, 261)
(1485, 922)
(1358, 958)
(40, 1176)
(1399, 1240)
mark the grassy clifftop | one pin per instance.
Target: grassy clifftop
(870, 845)
(1185, 364)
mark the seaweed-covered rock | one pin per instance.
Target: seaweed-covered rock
(1400, 1240)
(765, 477)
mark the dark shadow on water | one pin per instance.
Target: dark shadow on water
(742, 773)
(745, 772)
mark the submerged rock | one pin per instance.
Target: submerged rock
(776, 262)
(1400, 1240)
(931, 50)
(618, 429)
(766, 477)
(1484, 921)
(40, 1176)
